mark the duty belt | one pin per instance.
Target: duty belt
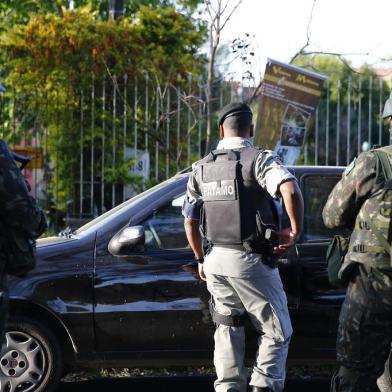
(266, 259)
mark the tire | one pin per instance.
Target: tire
(31, 358)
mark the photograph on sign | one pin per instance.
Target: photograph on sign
(294, 125)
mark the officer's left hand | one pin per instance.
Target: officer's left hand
(201, 272)
(288, 238)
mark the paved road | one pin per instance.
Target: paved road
(175, 384)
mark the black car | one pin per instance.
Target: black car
(84, 307)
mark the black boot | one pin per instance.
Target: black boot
(261, 389)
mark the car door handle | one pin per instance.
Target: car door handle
(137, 259)
(284, 261)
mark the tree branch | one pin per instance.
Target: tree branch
(340, 56)
(308, 33)
(231, 13)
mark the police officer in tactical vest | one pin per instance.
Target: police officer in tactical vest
(362, 202)
(231, 203)
(21, 222)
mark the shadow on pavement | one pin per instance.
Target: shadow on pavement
(175, 384)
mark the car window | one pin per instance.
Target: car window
(316, 190)
(165, 228)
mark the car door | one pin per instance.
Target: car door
(316, 323)
(152, 299)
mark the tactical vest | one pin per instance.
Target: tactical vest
(236, 210)
(370, 242)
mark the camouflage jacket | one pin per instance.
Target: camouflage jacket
(18, 210)
(356, 196)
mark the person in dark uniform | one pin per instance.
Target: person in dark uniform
(362, 202)
(231, 198)
(21, 221)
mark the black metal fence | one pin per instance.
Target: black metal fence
(348, 121)
(102, 144)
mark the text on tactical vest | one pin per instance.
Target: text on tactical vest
(213, 190)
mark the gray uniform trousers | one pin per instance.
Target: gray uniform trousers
(264, 299)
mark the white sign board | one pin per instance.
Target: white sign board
(141, 166)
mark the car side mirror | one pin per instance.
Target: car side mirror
(125, 240)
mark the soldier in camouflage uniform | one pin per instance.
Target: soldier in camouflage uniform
(362, 202)
(19, 214)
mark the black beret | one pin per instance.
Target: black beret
(233, 109)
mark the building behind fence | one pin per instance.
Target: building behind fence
(99, 146)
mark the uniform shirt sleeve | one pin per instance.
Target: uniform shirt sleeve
(270, 172)
(358, 182)
(193, 200)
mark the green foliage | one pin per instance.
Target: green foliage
(53, 61)
(57, 50)
(21, 11)
(358, 89)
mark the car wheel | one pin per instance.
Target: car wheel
(30, 359)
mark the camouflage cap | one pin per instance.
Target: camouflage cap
(233, 109)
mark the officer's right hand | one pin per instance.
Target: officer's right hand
(288, 237)
(201, 272)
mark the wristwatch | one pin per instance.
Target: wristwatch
(199, 260)
(293, 235)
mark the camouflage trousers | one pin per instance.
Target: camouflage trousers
(364, 332)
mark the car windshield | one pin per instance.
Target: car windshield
(118, 208)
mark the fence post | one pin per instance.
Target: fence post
(348, 156)
(316, 137)
(200, 115)
(167, 132)
(135, 127)
(92, 157)
(188, 140)
(380, 112)
(114, 136)
(146, 113)
(327, 126)
(125, 124)
(359, 144)
(178, 126)
(338, 123)
(157, 128)
(81, 155)
(103, 146)
(370, 111)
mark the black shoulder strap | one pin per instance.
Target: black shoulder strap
(231, 155)
(383, 157)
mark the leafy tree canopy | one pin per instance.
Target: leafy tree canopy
(49, 64)
(20, 11)
(62, 49)
(338, 69)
